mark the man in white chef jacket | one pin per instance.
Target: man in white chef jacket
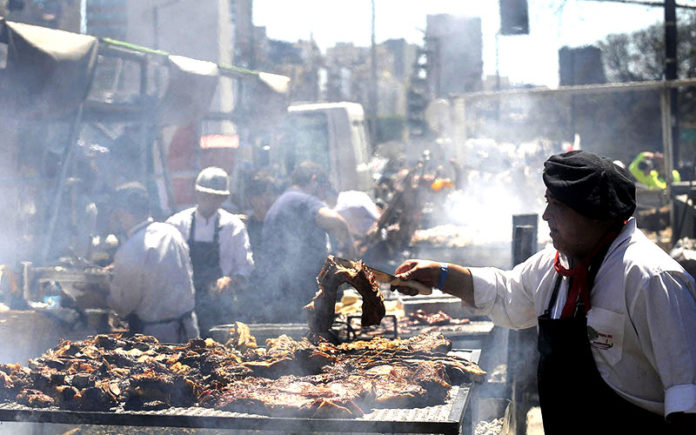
(616, 315)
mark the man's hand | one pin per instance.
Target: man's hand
(424, 271)
(223, 284)
(458, 281)
(226, 284)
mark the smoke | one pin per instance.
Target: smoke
(501, 180)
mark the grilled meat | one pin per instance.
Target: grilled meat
(439, 318)
(35, 398)
(97, 398)
(290, 396)
(321, 310)
(288, 377)
(174, 390)
(285, 356)
(241, 338)
(406, 385)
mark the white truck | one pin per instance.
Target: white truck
(330, 134)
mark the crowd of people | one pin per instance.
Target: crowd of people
(221, 263)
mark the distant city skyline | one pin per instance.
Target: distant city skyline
(525, 59)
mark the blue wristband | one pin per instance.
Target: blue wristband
(443, 275)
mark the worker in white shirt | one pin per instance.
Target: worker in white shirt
(616, 315)
(219, 246)
(152, 284)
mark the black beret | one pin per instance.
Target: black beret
(591, 185)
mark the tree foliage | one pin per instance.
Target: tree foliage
(640, 56)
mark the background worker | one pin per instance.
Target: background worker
(152, 285)
(649, 169)
(219, 249)
(262, 190)
(359, 211)
(295, 242)
(615, 313)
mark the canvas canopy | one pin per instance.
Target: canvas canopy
(48, 72)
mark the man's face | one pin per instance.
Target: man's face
(572, 233)
(209, 203)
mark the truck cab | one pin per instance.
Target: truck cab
(330, 134)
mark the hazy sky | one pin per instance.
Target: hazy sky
(529, 58)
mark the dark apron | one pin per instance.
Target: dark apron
(573, 396)
(205, 259)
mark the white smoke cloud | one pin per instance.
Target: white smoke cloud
(501, 180)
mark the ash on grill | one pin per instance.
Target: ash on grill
(287, 377)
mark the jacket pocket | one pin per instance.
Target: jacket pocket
(605, 331)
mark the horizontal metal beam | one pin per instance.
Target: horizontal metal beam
(579, 90)
(644, 3)
(100, 111)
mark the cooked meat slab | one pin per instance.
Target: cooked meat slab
(321, 310)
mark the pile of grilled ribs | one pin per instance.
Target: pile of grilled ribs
(304, 378)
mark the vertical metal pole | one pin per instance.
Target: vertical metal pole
(155, 27)
(524, 237)
(667, 131)
(27, 279)
(666, 111)
(671, 74)
(460, 127)
(65, 165)
(436, 65)
(83, 16)
(497, 60)
(522, 356)
(497, 75)
(524, 243)
(373, 80)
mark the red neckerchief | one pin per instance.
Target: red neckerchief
(580, 287)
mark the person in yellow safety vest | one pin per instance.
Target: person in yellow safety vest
(649, 169)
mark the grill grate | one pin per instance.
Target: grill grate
(446, 418)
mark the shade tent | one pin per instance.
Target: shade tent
(48, 72)
(190, 90)
(275, 82)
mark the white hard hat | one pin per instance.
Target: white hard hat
(213, 180)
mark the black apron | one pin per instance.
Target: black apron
(573, 396)
(205, 259)
(136, 325)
